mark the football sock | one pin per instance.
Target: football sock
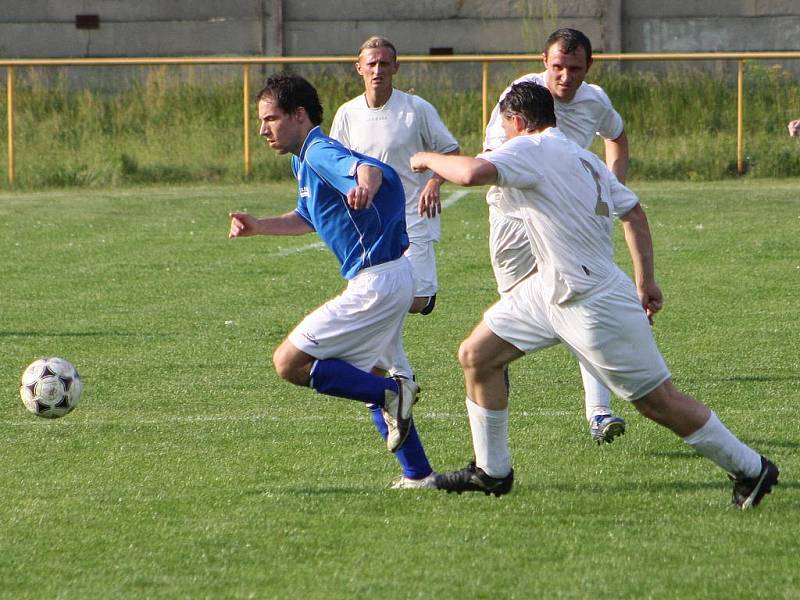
(411, 455)
(490, 439)
(714, 441)
(596, 395)
(402, 367)
(337, 378)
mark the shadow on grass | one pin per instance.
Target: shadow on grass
(67, 334)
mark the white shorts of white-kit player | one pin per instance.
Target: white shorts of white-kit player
(423, 261)
(364, 324)
(607, 331)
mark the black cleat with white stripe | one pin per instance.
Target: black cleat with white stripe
(747, 493)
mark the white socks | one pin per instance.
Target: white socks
(490, 439)
(714, 441)
(596, 395)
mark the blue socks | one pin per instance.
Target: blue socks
(337, 378)
(411, 455)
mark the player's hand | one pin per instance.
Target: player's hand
(794, 128)
(651, 298)
(359, 197)
(430, 202)
(418, 163)
(242, 225)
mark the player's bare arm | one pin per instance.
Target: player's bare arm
(368, 180)
(461, 170)
(640, 246)
(617, 156)
(794, 128)
(244, 225)
(430, 200)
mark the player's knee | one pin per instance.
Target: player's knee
(469, 354)
(285, 366)
(280, 363)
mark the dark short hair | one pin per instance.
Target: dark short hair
(533, 102)
(291, 92)
(569, 40)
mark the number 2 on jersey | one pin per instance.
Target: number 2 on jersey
(601, 208)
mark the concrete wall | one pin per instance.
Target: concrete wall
(46, 28)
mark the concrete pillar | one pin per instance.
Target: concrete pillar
(613, 27)
(272, 27)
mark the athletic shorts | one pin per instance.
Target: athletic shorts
(509, 249)
(423, 260)
(364, 324)
(608, 332)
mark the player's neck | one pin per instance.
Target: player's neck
(377, 98)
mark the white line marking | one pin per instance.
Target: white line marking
(299, 249)
(453, 198)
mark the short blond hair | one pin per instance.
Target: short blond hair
(377, 41)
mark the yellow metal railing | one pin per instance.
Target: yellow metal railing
(484, 59)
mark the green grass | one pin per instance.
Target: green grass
(191, 471)
(176, 125)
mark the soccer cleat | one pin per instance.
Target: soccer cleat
(747, 493)
(474, 479)
(604, 428)
(397, 411)
(429, 306)
(405, 483)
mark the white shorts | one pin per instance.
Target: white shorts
(608, 332)
(423, 260)
(364, 324)
(509, 249)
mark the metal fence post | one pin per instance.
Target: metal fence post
(740, 119)
(484, 94)
(246, 117)
(10, 116)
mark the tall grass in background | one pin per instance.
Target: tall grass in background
(172, 125)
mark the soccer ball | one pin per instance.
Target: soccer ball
(50, 387)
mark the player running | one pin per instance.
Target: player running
(565, 198)
(356, 205)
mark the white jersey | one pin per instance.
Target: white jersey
(589, 113)
(393, 133)
(565, 196)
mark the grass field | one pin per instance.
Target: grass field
(190, 471)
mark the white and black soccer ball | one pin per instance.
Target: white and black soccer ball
(50, 387)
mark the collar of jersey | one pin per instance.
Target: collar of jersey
(314, 134)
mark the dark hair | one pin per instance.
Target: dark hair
(569, 40)
(291, 92)
(531, 101)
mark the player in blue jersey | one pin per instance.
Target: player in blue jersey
(356, 205)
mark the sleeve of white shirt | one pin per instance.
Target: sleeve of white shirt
(609, 125)
(339, 128)
(622, 198)
(436, 136)
(515, 162)
(495, 136)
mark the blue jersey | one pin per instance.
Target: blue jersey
(325, 172)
